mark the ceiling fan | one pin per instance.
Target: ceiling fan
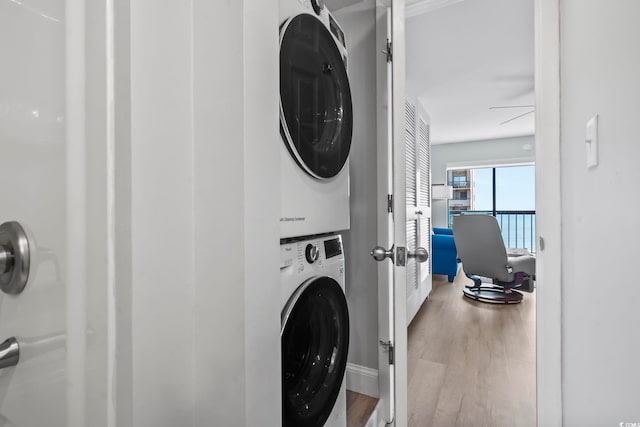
(520, 88)
(533, 110)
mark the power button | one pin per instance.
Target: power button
(311, 253)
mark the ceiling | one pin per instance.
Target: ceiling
(466, 56)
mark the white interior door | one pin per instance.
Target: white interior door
(392, 232)
(42, 149)
(385, 225)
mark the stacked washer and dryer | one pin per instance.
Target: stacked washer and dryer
(316, 124)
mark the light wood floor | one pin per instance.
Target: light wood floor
(359, 408)
(471, 363)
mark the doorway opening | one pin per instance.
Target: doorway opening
(471, 66)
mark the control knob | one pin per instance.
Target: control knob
(311, 253)
(317, 5)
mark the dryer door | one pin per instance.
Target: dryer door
(316, 119)
(315, 341)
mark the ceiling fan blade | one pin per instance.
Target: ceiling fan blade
(517, 117)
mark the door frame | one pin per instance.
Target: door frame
(384, 269)
(399, 183)
(549, 220)
(91, 285)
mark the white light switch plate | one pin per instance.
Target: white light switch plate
(592, 142)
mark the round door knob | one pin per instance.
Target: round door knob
(14, 258)
(421, 255)
(379, 253)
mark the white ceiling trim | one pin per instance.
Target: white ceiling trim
(418, 7)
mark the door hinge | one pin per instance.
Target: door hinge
(388, 346)
(389, 203)
(389, 51)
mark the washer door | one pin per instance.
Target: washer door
(315, 341)
(316, 118)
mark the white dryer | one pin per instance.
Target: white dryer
(314, 333)
(316, 121)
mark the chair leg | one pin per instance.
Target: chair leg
(450, 278)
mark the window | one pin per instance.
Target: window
(508, 193)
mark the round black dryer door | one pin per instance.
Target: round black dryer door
(316, 117)
(315, 341)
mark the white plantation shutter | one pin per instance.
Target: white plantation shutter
(410, 141)
(424, 185)
(411, 193)
(424, 163)
(425, 233)
(412, 265)
(418, 202)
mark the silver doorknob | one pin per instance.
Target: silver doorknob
(9, 353)
(380, 254)
(421, 255)
(14, 258)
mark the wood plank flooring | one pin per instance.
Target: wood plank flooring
(359, 408)
(471, 363)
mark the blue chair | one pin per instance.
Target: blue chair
(444, 259)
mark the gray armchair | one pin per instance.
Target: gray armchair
(482, 252)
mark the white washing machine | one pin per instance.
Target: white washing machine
(314, 333)
(316, 121)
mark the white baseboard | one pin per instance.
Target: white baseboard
(362, 380)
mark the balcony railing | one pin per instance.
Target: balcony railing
(460, 184)
(518, 227)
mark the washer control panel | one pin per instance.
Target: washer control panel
(312, 253)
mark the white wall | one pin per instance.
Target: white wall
(261, 205)
(475, 153)
(359, 24)
(205, 315)
(600, 65)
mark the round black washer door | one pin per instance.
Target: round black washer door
(315, 342)
(315, 97)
